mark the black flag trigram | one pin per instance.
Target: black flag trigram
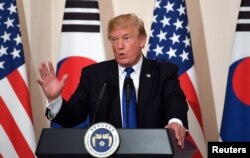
(81, 16)
(243, 23)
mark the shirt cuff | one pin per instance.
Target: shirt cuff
(176, 120)
(54, 107)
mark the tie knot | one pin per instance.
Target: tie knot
(129, 70)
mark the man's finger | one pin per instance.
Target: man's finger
(183, 133)
(40, 82)
(45, 69)
(51, 68)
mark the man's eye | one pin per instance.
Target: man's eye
(113, 39)
(126, 37)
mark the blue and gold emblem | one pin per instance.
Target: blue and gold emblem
(101, 140)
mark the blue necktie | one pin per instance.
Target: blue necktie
(129, 111)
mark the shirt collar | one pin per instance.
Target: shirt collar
(136, 67)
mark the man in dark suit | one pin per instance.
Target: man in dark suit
(160, 100)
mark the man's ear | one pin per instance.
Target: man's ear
(142, 41)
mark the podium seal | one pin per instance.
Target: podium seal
(101, 140)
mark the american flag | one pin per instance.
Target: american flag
(81, 43)
(16, 126)
(170, 41)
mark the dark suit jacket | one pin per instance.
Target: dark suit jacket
(160, 97)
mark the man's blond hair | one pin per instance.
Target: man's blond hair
(125, 20)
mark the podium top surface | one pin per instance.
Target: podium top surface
(69, 142)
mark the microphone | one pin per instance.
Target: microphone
(128, 85)
(103, 89)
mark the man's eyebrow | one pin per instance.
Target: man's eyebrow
(126, 34)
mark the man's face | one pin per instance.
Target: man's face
(127, 46)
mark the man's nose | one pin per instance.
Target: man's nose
(120, 44)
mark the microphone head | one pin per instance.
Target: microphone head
(128, 83)
(104, 86)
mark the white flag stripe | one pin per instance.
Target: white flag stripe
(243, 21)
(6, 147)
(18, 113)
(85, 44)
(81, 10)
(81, 22)
(197, 133)
(192, 75)
(241, 47)
(244, 8)
(23, 73)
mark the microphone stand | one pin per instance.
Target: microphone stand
(99, 101)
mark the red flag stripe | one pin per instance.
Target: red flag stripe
(191, 96)
(21, 91)
(17, 139)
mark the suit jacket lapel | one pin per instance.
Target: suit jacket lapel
(146, 79)
(115, 107)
